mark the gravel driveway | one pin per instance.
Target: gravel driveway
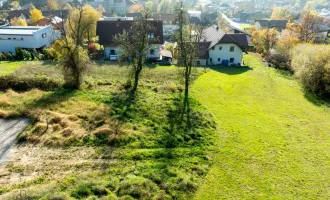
(9, 130)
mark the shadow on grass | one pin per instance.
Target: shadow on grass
(317, 99)
(123, 104)
(230, 70)
(52, 98)
(183, 130)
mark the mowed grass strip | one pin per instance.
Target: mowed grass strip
(7, 68)
(273, 142)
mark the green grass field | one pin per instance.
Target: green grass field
(273, 143)
(9, 67)
(129, 148)
(256, 135)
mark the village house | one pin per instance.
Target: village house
(169, 25)
(56, 22)
(220, 48)
(26, 37)
(108, 28)
(279, 25)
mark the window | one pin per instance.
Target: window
(44, 35)
(219, 59)
(112, 52)
(152, 51)
(9, 38)
(212, 48)
(151, 35)
(14, 38)
(220, 48)
(232, 48)
(210, 59)
(231, 60)
(198, 63)
(22, 39)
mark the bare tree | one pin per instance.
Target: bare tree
(135, 45)
(188, 39)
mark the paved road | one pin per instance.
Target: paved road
(9, 130)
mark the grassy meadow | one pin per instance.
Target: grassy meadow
(141, 149)
(256, 135)
(7, 68)
(273, 138)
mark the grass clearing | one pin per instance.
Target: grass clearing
(141, 148)
(273, 142)
(7, 67)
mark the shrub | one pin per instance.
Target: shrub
(8, 56)
(311, 66)
(26, 54)
(19, 53)
(27, 83)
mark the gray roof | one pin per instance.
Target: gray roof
(19, 30)
(168, 19)
(166, 53)
(272, 23)
(214, 35)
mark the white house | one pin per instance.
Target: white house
(107, 29)
(169, 25)
(219, 48)
(27, 37)
(193, 13)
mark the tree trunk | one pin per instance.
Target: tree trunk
(136, 79)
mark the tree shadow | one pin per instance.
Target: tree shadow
(123, 104)
(52, 98)
(185, 130)
(230, 70)
(317, 100)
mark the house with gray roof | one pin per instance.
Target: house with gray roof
(220, 48)
(267, 24)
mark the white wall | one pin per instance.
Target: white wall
(34, 41)
(225, 54)
(156, 47)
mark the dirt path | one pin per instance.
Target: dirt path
(9, 130)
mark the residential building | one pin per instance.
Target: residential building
(108, 28)
(267, 24)
(55, 22)
(220, 48)
(169, 25)
(27, 37)
(112, 6)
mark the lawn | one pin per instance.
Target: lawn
(273, 139)
(102, 143)
(9, 67)
(256, 135)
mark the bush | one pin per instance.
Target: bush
(310, 63)
(19, 53)
(24, 84)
